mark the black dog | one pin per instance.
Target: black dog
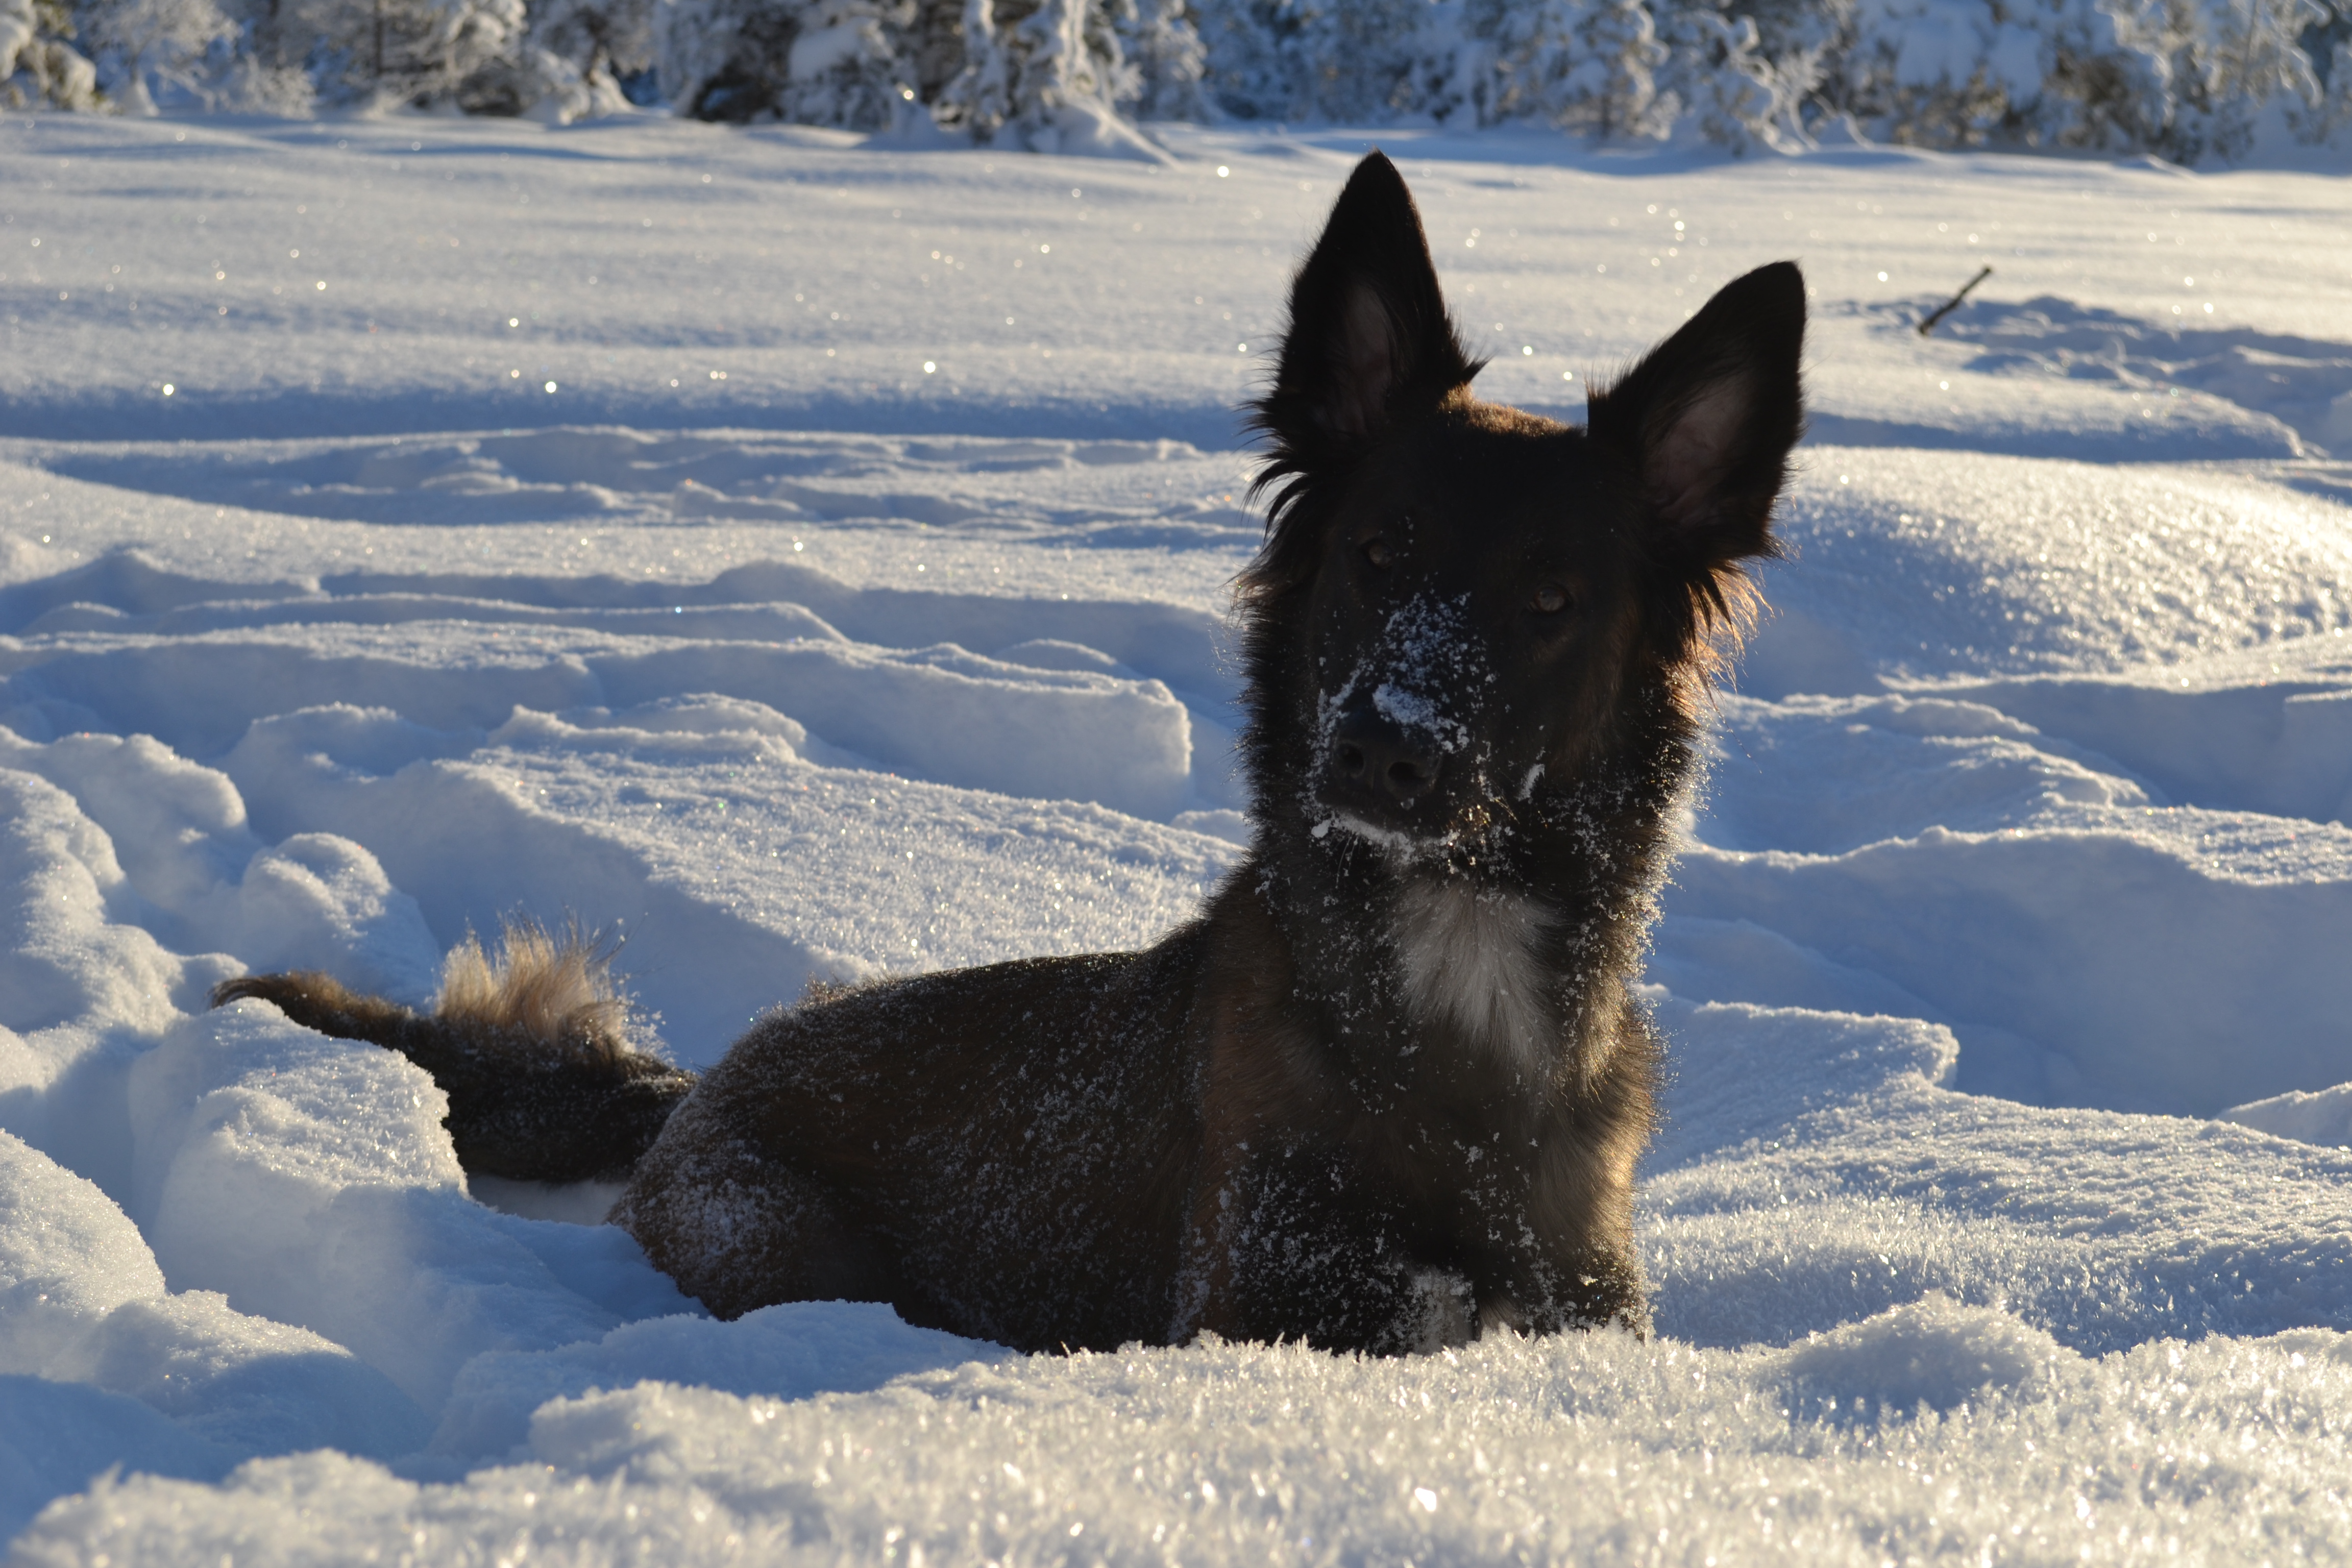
(1389, 1089)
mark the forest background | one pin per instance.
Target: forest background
(2187, 81)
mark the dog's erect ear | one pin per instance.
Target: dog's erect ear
(1369, 335)
(1709, 419)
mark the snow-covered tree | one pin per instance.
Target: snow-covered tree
(982, 96)
(2105, 85)
(725, 59)
(845, 65)
(1354, 61)
(2229, 60)
(1913, 71)
(419, 52)
(38, 64)
(152, 41)
(18, 27)
(1743, 96)
(576, 51)
(1577, 64)
(2328, 44)
(1583, 65)
(815, 62)
(1165, 50)
(1454, 78)
(611, 35)
(1242, 72)
(247, 83)
(933, 47)
(2029, 73)
(1038, 73)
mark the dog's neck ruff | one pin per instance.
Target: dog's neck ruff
(1468, 958)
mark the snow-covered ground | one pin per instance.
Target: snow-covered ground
(808, 558)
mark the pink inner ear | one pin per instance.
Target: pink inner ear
(1684, 466)
(1368, 355)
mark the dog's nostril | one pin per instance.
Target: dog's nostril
(1407, 778)
(1351, 761)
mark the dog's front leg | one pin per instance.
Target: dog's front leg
(1568, 1288)
(1573, 1264)
(1297, 1244)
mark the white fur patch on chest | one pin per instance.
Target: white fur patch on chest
(1469, 959)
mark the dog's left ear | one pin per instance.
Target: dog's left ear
(1709, 418)
(1368, 334)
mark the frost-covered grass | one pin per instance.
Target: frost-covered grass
(2023, 861)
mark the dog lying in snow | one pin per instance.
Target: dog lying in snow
(1388, 1089)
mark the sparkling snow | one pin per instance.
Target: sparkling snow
(808, 559)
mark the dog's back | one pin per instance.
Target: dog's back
(1004, 1152)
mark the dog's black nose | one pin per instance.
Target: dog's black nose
(1371, 754)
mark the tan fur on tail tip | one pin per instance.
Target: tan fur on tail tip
(556, 990)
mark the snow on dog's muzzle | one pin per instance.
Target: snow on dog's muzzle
(1392, 732)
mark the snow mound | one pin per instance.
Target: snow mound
(2323, 1118)
(68, 1257)
(1932, 1353)
(181, 1377)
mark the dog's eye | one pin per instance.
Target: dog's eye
(1552, 599)
(1377, 552)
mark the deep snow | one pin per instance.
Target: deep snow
(2022, 860)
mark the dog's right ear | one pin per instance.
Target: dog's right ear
(1369, 334)
(1707, 420)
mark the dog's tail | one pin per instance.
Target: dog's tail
(533, 1049)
